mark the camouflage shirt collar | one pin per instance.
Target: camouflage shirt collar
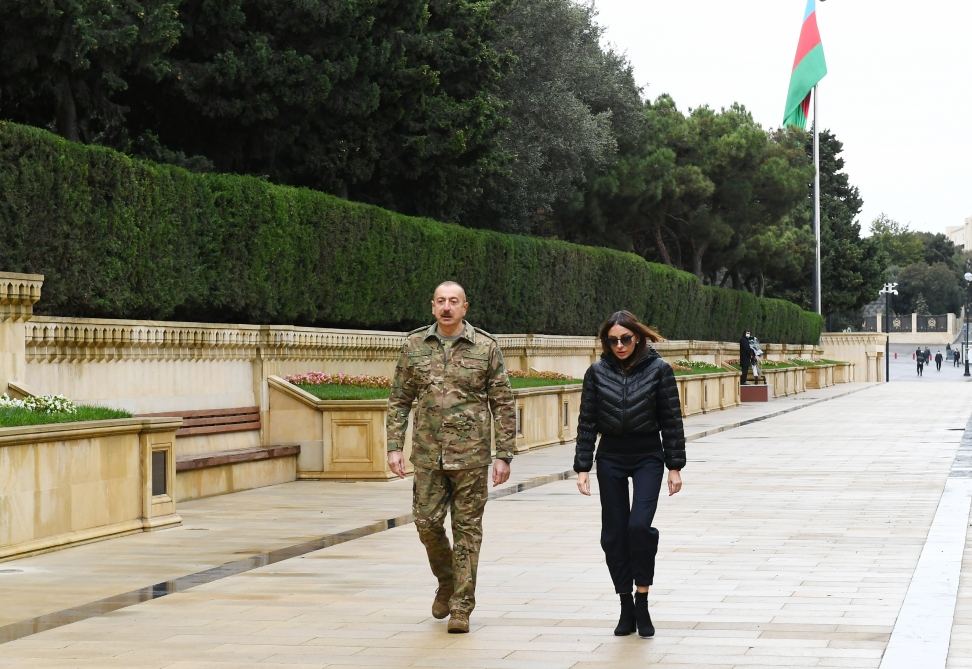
(468, 332)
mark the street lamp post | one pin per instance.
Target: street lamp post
(965, 353)
(888, 290)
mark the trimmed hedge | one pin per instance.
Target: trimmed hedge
(124, 238)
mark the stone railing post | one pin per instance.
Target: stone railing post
(18, 294)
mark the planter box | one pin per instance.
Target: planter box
(71, 483)
(546, 415)
(701, 393)
(819, 377)
(339, 439)
(785, 381)
(345, 439)
(843, 372)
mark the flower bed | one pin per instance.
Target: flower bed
(348, 387)
(784, 377)
(823, 373)
(765, 364)
(342, 435)
(48, 409)
(704, 387)
(683, 367)
(538, 379)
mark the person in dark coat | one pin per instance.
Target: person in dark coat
(938, 361)
(920, 359)
(745, 357)
(630, 399)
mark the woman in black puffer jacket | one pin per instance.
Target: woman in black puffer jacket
(631, 400)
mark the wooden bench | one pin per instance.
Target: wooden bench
(217, 421)
(214, 421)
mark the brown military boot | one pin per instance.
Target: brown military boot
(459, 622)
(440, 605)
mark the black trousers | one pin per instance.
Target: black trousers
(627, 537)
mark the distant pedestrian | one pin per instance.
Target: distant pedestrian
(956, 356)
(920, 359)
(938, 361)
(948, 350)
(928, 356)
(745, 357)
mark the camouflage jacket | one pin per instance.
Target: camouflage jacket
(456, 396)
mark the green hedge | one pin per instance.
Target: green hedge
(123, 238)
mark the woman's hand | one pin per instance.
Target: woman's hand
(584, 483)
(674, 481)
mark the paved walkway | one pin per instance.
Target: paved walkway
(806, 526)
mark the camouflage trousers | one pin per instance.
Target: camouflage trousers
(463, 494)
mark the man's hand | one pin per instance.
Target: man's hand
(396, 463)
(674, 481)
(501, 472)
(584, 483)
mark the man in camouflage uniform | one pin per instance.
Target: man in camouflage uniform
(455, 374)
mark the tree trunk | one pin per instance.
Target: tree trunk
(697, 254)
(660, 245)
(66, 112)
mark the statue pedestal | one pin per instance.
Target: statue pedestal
(754, 393)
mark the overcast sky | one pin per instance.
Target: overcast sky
(898, 92)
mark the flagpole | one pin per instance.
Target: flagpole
(816, 204)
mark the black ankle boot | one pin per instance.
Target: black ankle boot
(645, 629)
(626, 623)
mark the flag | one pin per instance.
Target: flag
(809, 67)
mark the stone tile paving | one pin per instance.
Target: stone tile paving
(230, 528)
(793, 544)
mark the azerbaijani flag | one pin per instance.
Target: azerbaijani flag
(809, 67)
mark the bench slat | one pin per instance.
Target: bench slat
(215, 429)
(224, 420)
(208, 412)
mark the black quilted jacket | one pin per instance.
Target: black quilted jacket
(641, 402)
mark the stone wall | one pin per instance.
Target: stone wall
(71, 483)
(150, 366)
(864, 349)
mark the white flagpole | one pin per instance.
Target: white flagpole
(816, 204)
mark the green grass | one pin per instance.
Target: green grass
(12, 417)
(539, 383)
(775, 364)
(767, 364)
(334, 391)
(701, 370)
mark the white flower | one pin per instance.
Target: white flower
(7, 402)
(42, 404)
